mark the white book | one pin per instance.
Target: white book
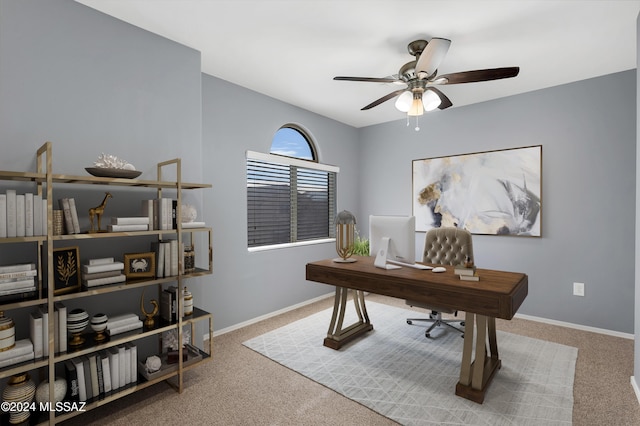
(20, 218)
(37, 215)
(74, 215)
(147, 210)
(23, 346)
(17, 290)
(90, 269)
(45, 216)
(66, 213)
(189, 225)
(125, 328)
(174, 257)
(3, 215)
(19, 267)
(62, 331)
(93, 366)
(106, 370)
(101, 261)
(123, 319)
(101, 275)
(137, 220)
(114, 365)
(17, 283)
(45, 329)
(104, 281)
(127, 364)
(165, 213)
(82, 388)
(56, 330)
(20, 274)
(11, 213)
(133, 377)
(36, 333)
(127, 228)
(28, 214)
(167, 259)
(123, 366)
(17, 359)
(158, 248)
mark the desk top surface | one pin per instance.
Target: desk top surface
(498, 293)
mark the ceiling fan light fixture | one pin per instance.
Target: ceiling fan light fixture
(417, 108)
(403, 103)
(430, 100)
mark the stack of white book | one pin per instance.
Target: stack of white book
(22, 351)
(123, 323)
(19, 278)
(22, 215)
(102, 271)
(125, 224)
(168, 254)
(39, 325)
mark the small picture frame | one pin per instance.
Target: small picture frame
(66, 270)
(140, 265)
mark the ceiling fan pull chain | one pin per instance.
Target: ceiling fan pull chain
(417, 123)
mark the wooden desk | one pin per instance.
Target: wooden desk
(497, 295)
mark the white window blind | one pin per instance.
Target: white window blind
(288, 200)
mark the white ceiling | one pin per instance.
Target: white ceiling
(291, 50)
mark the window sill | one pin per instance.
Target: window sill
(289, 245)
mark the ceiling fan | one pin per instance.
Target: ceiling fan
(421, 74)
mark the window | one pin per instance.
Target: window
(290, 196)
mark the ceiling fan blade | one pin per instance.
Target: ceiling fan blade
(445, 102)
(432, 56)
(478, 75)
(368, 79)
(383, 99)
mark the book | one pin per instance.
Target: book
(133, 376)
(137, 220)
(127, 364)
(189, 225)
(72, 381)
(147, 211)
(3, 215)
(463, 270)
(123, 366)
(21, 274)
(105, 280)
(62, 330)
(82, 384)
(44, 216)
(124, 328)
(20, 218)
(11, 212)
(36, 333)
(120, 320)
(93, 366)
(86, 365)
(18, 267)
(90, 269)
(106, 370)
(45, 329)
(74, 215)
(17, 283)
(28, 214)
(114, 366)
(127, 228)
(17, 359)
(26, 295)
(17, 290)
(474, 277)
(158, 248)
(66, 213)
(56, 330)
(37, 215)
(101, 261)
(167, 259)
(104, 274)
(174, 257)
(22, 347)
(98, 359)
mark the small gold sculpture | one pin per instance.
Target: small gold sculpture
(149, 321)
(97, 211)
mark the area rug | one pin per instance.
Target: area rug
(397, 372)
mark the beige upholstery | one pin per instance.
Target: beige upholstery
(443, 246)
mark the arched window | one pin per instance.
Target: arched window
(291, 198)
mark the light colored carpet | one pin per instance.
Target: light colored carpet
(411, 380)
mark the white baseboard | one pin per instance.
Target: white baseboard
(271, 314)
(635, 387)
(577, 326)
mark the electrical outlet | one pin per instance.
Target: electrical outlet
(578, 289)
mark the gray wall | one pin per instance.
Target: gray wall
(587, 131)
(636, 374)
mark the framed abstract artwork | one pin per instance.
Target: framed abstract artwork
(491, 192)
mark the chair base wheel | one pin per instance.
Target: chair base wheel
(409, 322)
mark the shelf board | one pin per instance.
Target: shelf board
(23, 176)
(93, 180)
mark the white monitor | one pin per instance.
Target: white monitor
(392, 239)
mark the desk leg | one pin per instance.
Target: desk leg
(339, 335)
(476, 375)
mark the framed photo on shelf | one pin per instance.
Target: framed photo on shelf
(140, 265)
(66, 270)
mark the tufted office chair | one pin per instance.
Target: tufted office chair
(444, 246)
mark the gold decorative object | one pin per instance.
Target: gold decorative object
(7, 333)
(187, 305)
(149, 321)
(97, 212)
(345, 223)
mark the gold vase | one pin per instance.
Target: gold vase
(20, 389)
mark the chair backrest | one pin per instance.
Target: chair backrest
(447, 246)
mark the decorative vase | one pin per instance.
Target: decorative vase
(188, 302)
(59, 390)
(77, 321)
(7, 333)
(20, 389)
(99, 325)
(189, 213)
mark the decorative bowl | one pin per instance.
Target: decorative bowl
(113, 173)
